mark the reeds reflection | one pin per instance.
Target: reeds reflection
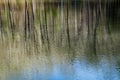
(64, 40)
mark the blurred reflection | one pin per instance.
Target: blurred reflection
(75, 40)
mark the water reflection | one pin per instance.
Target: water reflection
(78, 70)
(59, 41)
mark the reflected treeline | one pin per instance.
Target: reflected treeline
(78, 28)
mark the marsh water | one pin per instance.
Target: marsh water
(60, 41)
